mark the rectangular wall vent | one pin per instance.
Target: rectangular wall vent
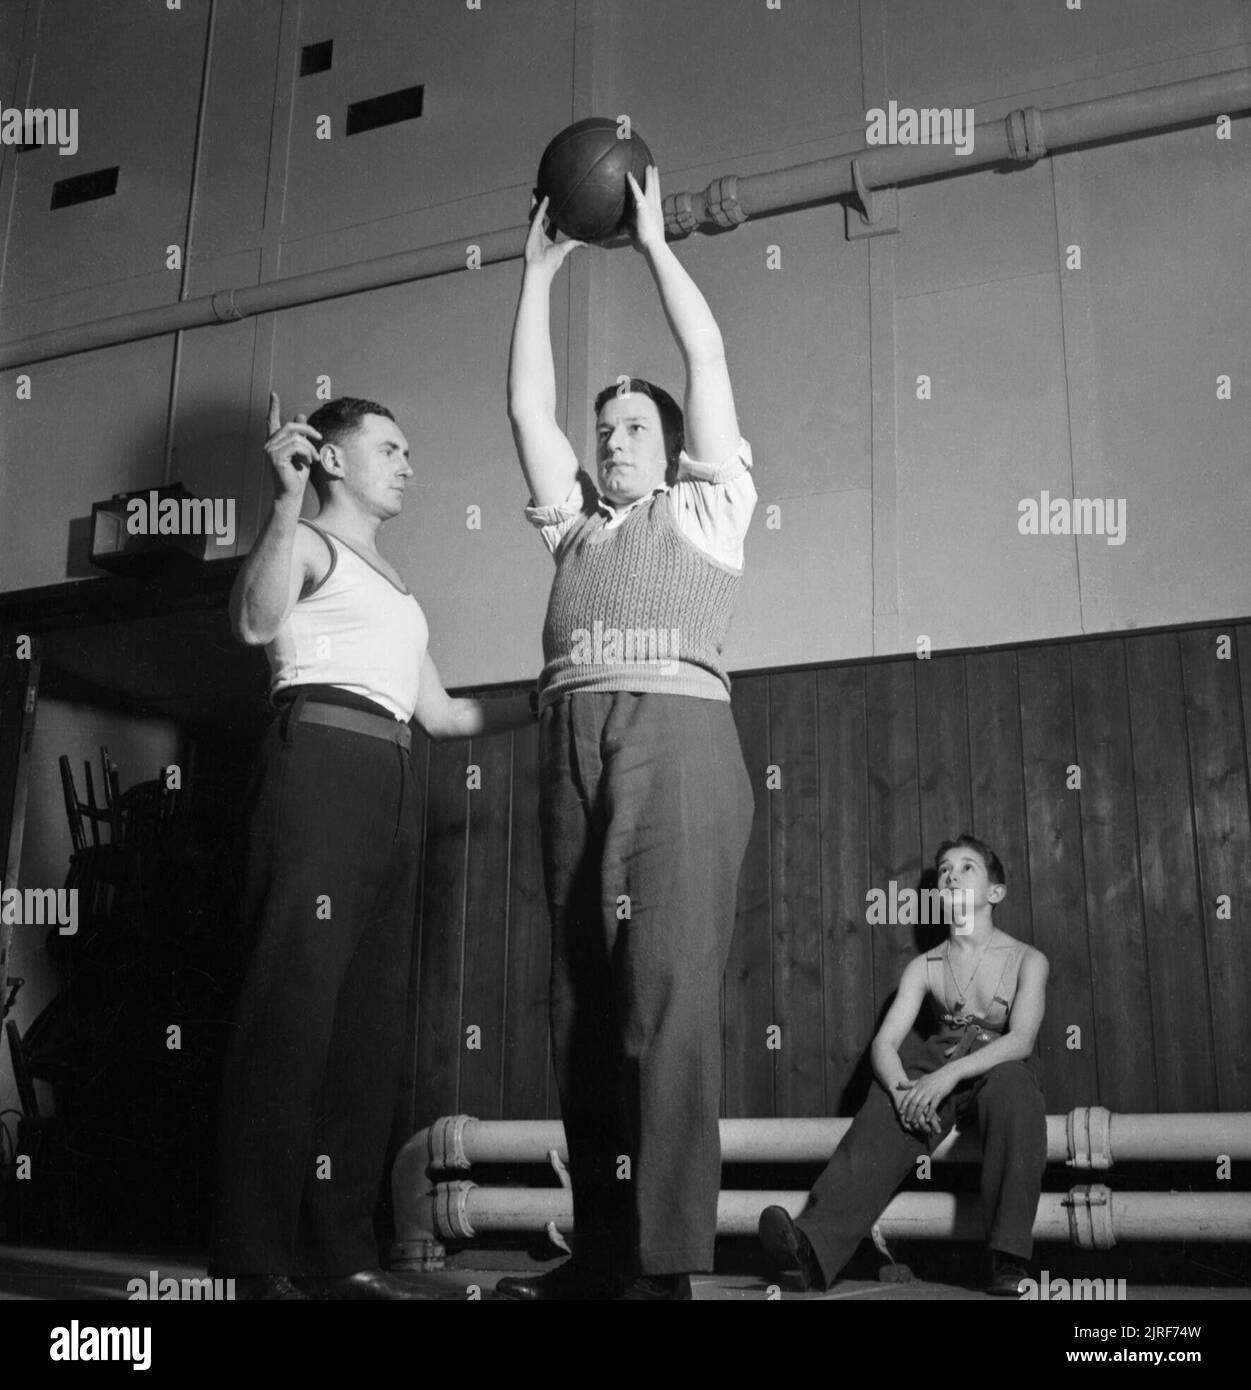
(315, 57)
(84, 188)
(403, 105)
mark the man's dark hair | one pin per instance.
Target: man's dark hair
(672, 425)
(994, 869)
(338, 419)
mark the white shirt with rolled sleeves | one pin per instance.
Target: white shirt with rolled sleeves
(713, 503)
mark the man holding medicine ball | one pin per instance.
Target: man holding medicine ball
(646, 806)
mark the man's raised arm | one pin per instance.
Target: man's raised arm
(547, 458)
(711, 421)
(269, 584)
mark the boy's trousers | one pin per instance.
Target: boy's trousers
(877, 1154)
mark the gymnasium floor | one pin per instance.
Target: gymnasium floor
(34, 1273)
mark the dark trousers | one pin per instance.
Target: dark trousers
(646, 808)
(313, 1064)
(877, 1154)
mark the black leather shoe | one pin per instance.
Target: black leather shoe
(788, 1248)
(269, 1288)
(373, 1284)
(655, 1287)
(568, 1282)
(1006, 1273)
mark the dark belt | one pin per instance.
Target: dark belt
(355, 721)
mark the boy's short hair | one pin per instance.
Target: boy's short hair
(994, 869)
(338, 419)
(672, 425)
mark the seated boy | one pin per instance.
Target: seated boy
(989, 992)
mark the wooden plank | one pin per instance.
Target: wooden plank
(795, 847)
(1179, 1026)
(847, 961)
(1222, 819)
(486, 930)
(1118, 942)
(439, 1039)
(1057, 883)
(527, 1035)
(894, 819)
(997, 779)
(942, 755)
(747, 993)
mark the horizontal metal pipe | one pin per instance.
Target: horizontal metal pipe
(228, 306)
(1104, 118)
(1088, 1137)
(725, 200)
(458, 1142)
(463, 1210)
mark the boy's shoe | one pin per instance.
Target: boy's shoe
(1006, 1273)
(788, 1248)
(568, 1282)
(656, 1287)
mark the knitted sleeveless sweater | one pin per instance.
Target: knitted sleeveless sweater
(638, 607)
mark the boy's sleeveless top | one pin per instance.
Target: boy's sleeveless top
(638, 607)
(355, 630)
(963, 1032)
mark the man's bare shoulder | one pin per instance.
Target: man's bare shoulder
(311, 552)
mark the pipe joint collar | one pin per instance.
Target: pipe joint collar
(451, 1210)
(1026, 142)
(1090, 1217)
(225, 310)
(721, 197)
(1089, 1137)
(680, 219)
(447, 1143)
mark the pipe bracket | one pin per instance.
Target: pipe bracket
(1090, 1217)
(680, 219)
(721, 198)
(225, 310)
(1026, 142)
(878, 212)
(1089, 1132)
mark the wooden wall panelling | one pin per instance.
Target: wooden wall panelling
(486, 929)
(847, 958)
(998, 788)
(526, 1032)
(1054, 823)
(794, 811)
(1180, 1029)
(748, 989)
(1118, 943)
(942, 751)
(894, 820)
(1222, 820)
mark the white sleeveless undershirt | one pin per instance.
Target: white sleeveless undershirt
(355, 630)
